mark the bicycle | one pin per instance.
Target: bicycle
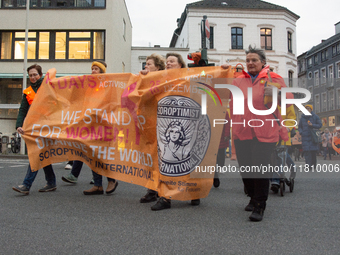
(15, 142)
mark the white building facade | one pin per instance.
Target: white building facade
(67, 35)
(234, 25)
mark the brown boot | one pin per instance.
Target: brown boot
(111, 187)
(95, 190)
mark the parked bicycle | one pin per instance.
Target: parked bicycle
(15, 142)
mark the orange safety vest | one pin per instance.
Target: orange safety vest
(30, 94)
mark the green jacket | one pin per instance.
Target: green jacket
(24, 107)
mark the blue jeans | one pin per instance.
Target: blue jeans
(30, 176)
(290, 163)
(97, 178)
(76, 168)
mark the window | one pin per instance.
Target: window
(211, 38)
(10, 91)
(53, 45)
(289, 37)
(302, 66)
(338, 99)
(54, 3)
(323, 76)
(315, 59)
(310, 75)
(316, 78)
(290, 79)
(266, 38)
(338, 48)
(330, 75)
(324, 55)
(310, 62)
(331, 99)
(334, 50)
(237, 38)
(338, 69)
(317, 103)
(324, 101)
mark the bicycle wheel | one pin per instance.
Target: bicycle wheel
(13, 146)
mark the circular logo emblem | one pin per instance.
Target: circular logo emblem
(183, 135)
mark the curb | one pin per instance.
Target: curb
(14, 156)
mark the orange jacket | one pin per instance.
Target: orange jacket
(270, 131)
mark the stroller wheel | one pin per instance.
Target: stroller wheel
(291, 187)
(282, 188)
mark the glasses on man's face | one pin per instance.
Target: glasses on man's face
(33, 75)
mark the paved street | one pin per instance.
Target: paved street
(67, 222)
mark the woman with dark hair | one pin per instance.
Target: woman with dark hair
(36, 77)
(254, 143)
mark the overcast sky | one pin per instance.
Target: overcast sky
(154, 21)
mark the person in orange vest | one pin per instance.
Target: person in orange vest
(36, 78)
(255, 143)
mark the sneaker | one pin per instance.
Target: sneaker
(21, 189)
(249, 207)
(216, 182)
(48, 187)
(257, 214)
(111, 187)
(68, 166)
(70, 178)
(275, 188)
(149, 197)
(95, 190)
(195, 202)
(161, 204)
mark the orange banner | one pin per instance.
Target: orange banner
(145, 130)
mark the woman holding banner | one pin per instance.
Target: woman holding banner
(36, 78)
(154, 63)
(254, 137)
(97, 67)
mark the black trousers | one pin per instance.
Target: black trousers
(251, 153)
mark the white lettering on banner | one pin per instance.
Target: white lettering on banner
(261, 122)
(97, 116)
(135, 157)
(238, 102)
(50, 130)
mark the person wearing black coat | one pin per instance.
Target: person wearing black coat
(306, 124)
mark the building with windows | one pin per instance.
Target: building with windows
(234, 25)
(319, 72)
(63, 34)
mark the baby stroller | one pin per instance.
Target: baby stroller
(279, 158)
